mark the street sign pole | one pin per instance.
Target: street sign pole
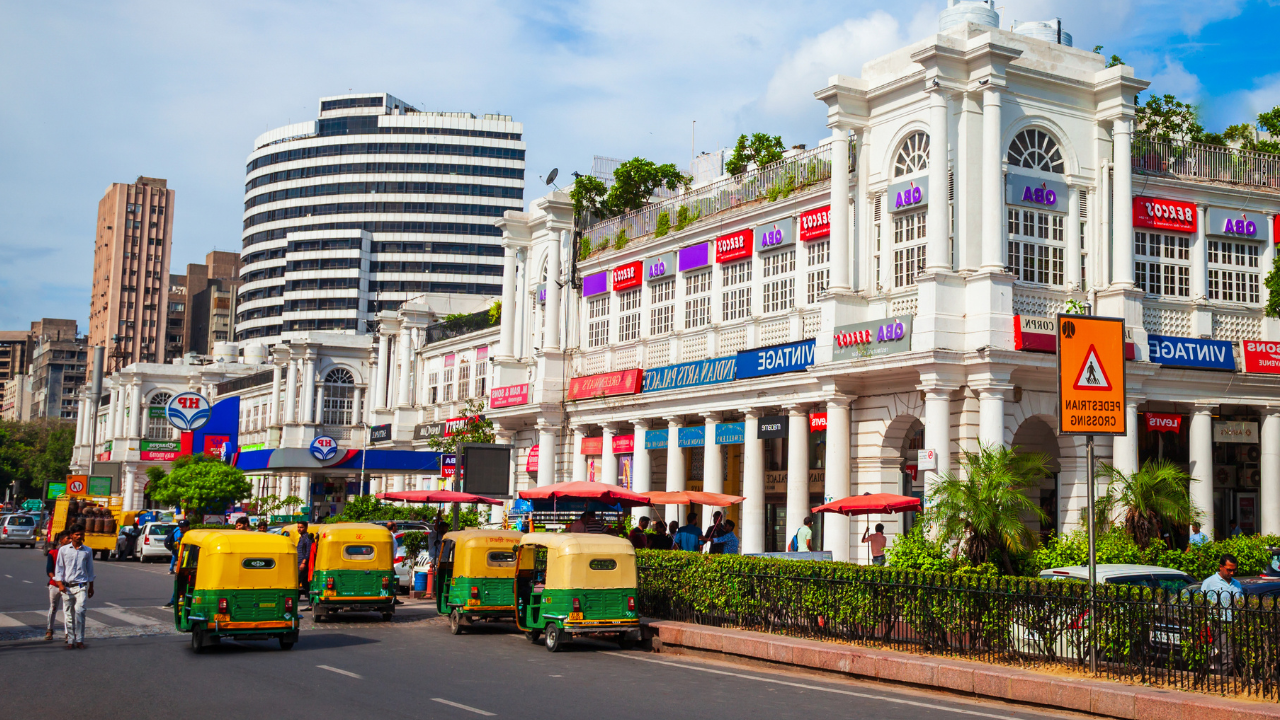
(1093, 554)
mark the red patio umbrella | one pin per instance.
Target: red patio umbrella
(692, 497)
(587, 491)
(437, 496)
(869, 504)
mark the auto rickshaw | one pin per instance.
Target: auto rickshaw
(352, 570)
(571, 584)
(475, 574)
(236, 584)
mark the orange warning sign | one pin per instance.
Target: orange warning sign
(1091, 380)
(77, 484)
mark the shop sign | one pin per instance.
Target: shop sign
(380, 433)
(1036, 334)
(732, 246)
(731, 433)
(690, 374)
(253, 446)
(694, 257)
(772, 426)
(775, 360)
(592, 445)
(1191, 352)
(660, 267)
(449, 359)
(595, 284)
(1164, 422)
(188, 411)
(56, 490)
(909, 194)
(695, 436)
(100, 485)
(775, 481)
(160, 450)
(453, 425)
(155, 413)
(531, 461)
(448, 465)
(622, 382)
(871, 339)
(815, 223)
(323, 448)
(1234, 223)
(623, 444)
(655, 439)
(542, 294)
(817, 422)
(926, 460)
(1036, 193)
(1175, 215)
(508, 396)
(426, 431)
(627, 276)
(772, 236)
(1235, 432)
(215, 446)
(1261, 357)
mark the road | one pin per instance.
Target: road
(412, 668)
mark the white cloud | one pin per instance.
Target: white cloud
(1174, 79)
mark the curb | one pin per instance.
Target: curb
(1108, 699)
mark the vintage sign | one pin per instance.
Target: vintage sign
(1191, 352)
(188, 411)
(775, 360)
(1175, 215)
(1164, 422)
(159, 450)
(695, 436)
(774, 235)
(1091, 375)
(815, 223)
(731, 433)
(1235, 432)
(694, 257)
(509, 396)
(772, 426)
(622, 382)
(627, 276)
(733, 246)
(1234, 223)
(871, 339)
(660, 267)
(592, 445)
(909, 194)
(595, 283)
(1037, 193)
(690, 374)
(1261, 356)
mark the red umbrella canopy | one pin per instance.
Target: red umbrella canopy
(869, 504)
(587, 491)
(692, 497)
(437, 496)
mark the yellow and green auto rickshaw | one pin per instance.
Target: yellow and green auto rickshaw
(352, 570)
(236, 584)
(474, 576)
(571, 584)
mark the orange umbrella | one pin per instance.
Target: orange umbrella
(586, 491)
(868, 504)
(692, 497)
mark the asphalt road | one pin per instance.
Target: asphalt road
(412, 668)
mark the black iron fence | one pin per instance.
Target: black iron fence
(1160, 636)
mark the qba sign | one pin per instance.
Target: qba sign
(1036, 193)
(771, 236)
(1234, 223)
(909, 194)
(870, 339)
(660, 267)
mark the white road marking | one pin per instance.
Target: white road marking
(6, 621)
(126, 616)
(113, 605)
(468, 708)
(8, 575)
(340, 672)
(27, 582)
(819, 688)
(91, 623)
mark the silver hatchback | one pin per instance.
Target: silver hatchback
(18, 530)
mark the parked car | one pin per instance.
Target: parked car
(18, 529)
(1189, 619)
(151, 544)
(404, 565)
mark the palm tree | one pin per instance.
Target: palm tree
(1156, 495)
(982, 510)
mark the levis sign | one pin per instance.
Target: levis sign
(1163, 422)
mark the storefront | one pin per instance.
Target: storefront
(1164, 231)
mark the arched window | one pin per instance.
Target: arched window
(158, 427)
(1036, 150)
(913, 155)
(339, 395)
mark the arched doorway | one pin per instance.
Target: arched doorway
(1036, 435)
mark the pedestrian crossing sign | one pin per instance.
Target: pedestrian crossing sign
(1091, 376)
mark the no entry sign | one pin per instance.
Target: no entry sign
(1091, 381)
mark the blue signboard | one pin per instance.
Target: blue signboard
(701, 372)
(655, 439)
(775, 360)
(695, 436)
(1191, 352)
(731, 433)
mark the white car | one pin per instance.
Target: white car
(404, 565)
(151, 543)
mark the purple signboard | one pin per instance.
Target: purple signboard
(595, 284)
(694, 257)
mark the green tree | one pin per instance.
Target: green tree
(760, 149)
(981, 509)
(476, 428)
(1273, 289)
(1152, 498)
(1164, 117)
(634, 183)
(589, 196)
(196, 483)
(33, 454)
(1242, 133)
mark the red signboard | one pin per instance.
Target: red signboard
(1163, 422)
(507, 396)
(627, 276)
(624, 444)
(734, 246)
(592, 446)
(1175, 215)
(448, 465)
(1261, 356)
(1030, 335)
(815, 223)
(622, 382)
(1276, 235)
(817, 421)
(213, 444)
(531, 462)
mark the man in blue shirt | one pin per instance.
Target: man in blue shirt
(727, 541)
(1221, 589)
(689, 537)
(1197, 537)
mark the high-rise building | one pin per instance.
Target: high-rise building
(15, 349)
(374, 203)
(202, 305)
(175, 324)
(131, 272)
(59, 366)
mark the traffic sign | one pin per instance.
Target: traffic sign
(77, 484)
(1091, 375)
(188, 411)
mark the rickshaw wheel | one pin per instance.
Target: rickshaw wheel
(626, 641)
(285, 644)
(386, 616)
(533, 635)
(555, 638)
(455, 622)
(319, 616)
(197, 641)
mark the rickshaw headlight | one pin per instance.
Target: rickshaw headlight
(631, 604)
(222, 605)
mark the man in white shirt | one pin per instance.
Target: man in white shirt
(73, 574)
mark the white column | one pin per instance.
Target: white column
(397, 483)
(274, 402)
(1124, 448)
(406, 357)
(546, 454)
(608, 461)
(991, 416)
(675, 466)
(118, 421)
(712, 466)
(1269, 492)
(356, 401)
(384, 360)
(797, 468)
(752, 485)
(551, 326)
(1201, 456)
(507, 322)
(128, 501)
(109, 431)
(308, 390)
(1122, 247)
(840, 250)
(937, 432)
(939, 242)
(641, 479)
(1200, 258)
(135, 410)
(863, 218)
(579, 460)
(992, 183)
(1073, 237)
(319, 416)
(291, 393)
(835, 528)
(80, 418)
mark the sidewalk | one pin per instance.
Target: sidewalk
(1109, 699)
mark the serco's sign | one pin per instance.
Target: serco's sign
(815, 223)
(733, 246)
(1175, 215)
(627, 276)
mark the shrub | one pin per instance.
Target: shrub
(664, 224)
(620, 241)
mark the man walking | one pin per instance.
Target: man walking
(1221, 590)
(637, 534)
(304, 561)
(73, 572)
(55, 593)
(804, 536)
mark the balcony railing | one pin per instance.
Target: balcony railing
(803, 171)
(1206, 163)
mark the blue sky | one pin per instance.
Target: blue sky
(96, 93)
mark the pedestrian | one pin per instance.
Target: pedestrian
(262, 526)
(717, 527)
(304, 562)
(592, 523)
(1197, 537)
(172, 540)
(727, 541)
(242, 522)
(638, 535)
(1221, 590)
(393, 527)
(73, 572)
(660, 540)
(1233, 529)
(55, 593)
(803, 539)
(688, 537)
(877, 542)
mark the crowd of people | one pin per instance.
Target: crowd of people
(719, 538)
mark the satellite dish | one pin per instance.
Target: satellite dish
(551, 176)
